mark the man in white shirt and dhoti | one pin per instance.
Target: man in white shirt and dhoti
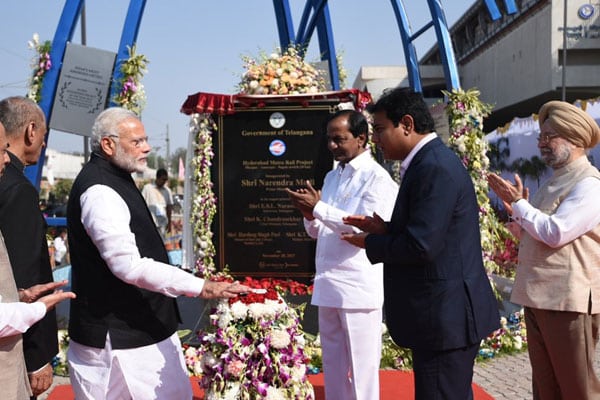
(347, 289)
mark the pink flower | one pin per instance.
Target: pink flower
(235, 368)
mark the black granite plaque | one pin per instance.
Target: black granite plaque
(259, 153)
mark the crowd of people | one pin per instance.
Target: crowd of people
(410, 253)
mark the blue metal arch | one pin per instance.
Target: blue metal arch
(315, 15)
(320, 19)
(64, 33)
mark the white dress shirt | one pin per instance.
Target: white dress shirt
(577, 214)
(406, 162)
(17, 317)
(345, 278)
(106, 218)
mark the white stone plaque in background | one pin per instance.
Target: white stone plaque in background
(82, 89)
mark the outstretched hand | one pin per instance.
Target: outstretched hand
(214, 290)
(51, 300)
(33, 293)
(367, 224)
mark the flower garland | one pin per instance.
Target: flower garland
(131, 93)
(466, 113)
(254, 348)
(280, 73)
(40, 64)
(509, 339)
(204, 206)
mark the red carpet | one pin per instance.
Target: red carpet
(395, 385)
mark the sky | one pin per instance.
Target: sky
(196, 46)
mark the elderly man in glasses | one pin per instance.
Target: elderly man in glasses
(558, 277)
(123, 324)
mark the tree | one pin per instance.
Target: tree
(498, 153)
(533, 168)
(61, 189)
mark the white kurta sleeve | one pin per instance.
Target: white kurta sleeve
(17, 317)
(577, 214)
(105, 217)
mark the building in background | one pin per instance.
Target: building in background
(515, 61)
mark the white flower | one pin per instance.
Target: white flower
(253, 84)
(280, 339)
(384, 328)
(257, 310)
(190, 352)
(275, 394)
(518, 342)
(224, 320)
(208, 360)
(300, 340)
(197, 368)
(232, 392)
(298, 372)
(239, 310)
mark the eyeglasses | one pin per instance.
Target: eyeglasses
(136, 142)
(546, 138)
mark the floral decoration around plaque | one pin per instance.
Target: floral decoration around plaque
(131, 94)
(40, 64)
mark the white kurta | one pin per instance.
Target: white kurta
(344, 276)
(150, 372)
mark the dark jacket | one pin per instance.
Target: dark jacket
(134, 317)
(437, 293)
(24, 230)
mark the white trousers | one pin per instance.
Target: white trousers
(351, 349)
(150, 372)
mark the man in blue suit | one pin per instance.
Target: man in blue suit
(438, 298)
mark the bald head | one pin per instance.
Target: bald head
(17, 112)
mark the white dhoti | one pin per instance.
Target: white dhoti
(156, 371)
(351, 348)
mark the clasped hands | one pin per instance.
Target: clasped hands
(507, 192)
(305, 199)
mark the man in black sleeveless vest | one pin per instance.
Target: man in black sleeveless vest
(24, 229)
(123, 323)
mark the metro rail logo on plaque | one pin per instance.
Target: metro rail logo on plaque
(277, 147)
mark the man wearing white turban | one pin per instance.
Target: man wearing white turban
(558, 276)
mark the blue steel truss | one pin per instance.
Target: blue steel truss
(316, 14)
(64, 33)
